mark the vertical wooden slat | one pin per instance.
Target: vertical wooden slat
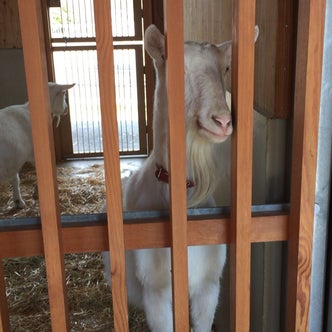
(35, 68)
(149, 76)
(4, 318)
(177, 159)
(241, 187)
(105, 57)
(285, 59)
(305, 138)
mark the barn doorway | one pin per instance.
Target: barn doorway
(74, 59)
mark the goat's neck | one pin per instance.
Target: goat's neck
(199, 152)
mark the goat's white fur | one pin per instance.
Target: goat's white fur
(16, 138)
(208, 121)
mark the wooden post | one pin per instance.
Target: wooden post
(305, 139)
(104, 40)
(177, 159)
(41, 123)
(4, 318)
(241, 177)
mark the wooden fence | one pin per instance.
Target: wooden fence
(240, 230)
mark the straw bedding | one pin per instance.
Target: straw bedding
(81, 190)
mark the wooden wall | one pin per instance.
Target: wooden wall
(12, 76)
(274, 51)
(10, 35)
(211, 20)
(207, 20)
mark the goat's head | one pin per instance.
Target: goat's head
(207, 70)
(208, 117)
(57, 99)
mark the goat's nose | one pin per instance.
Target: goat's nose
(224, 120)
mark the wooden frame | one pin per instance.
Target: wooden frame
(240, 230)
(35, 68)
(63, 136)
(241, 182)
(310, 37)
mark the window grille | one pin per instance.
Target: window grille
(72, 29)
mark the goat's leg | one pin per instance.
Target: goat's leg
(158, 309)
(18, 201)
(153, 272)
(203, 303)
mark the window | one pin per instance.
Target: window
(74, 56)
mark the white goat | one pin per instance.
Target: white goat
(208, 121)
(16, 139)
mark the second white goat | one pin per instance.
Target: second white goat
(16, 138)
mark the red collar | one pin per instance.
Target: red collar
(163, 176)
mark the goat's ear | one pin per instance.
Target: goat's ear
(226, 47)
(226, 51)
(59, 87)
(66, 87)
(154, 43)
(256, 32)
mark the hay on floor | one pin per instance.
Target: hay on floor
(81, 190)
(89, 295)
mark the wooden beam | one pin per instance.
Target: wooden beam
(104, 39)
(149, 76)
(177, 161)
(285, 59)
(41, 123)
(310, 35)
(4, 317)
(241, 177)
(139, 235)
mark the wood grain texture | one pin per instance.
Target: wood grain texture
(241, 171)
(285, 59)
(104, 39)
(4, 318)
(207, 20)
(41, 123)
(177, 161)
(149, 75)
(142, 234)
(306, 115)
(274, 60)
(10, 35)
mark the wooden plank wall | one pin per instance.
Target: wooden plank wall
(10, 34)
(240, 231)
(274, 51)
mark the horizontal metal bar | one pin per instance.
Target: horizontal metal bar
(10, 224)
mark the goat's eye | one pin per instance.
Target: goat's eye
(226, 70)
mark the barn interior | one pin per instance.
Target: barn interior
(71, 58)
